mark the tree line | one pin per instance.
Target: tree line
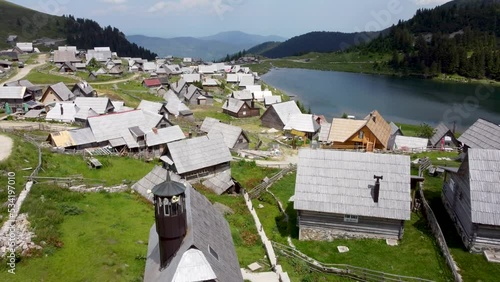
(87, 34)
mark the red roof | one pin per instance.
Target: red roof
(152, 82)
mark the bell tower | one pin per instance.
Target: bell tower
(170, 217)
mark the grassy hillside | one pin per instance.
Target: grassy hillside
(28, 24)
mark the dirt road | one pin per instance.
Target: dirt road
(42, 58)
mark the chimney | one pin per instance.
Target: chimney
(227, 103)
(376, 189)
(454, 127)
(155, 130)
(170, 218)
(62, 109)
(190, 135)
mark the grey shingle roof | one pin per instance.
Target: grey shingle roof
(269, 100)
(233, 105)
(242, 95)
(191, 90)
(484, 170)
(82, 136)
(62, 91)
(65, 56)
(339, 182)
(68, 115)
(154, 107)
(200, 152)
(394, 128)
(12, 92)
(285, 110)
(220, 183)
(230, 133)
(303, 123)
(324, 132)
(98, 104)
(482, 135)
(84, 113)
(207, 124)
(206, 227)
(164, 135)
(85, 87)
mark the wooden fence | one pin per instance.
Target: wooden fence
(436, 229)
(39, 166)
(344, 270)
(257, 190)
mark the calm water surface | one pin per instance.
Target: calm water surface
(406, 100)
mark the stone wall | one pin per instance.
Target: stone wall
(325, 234)
(85, 189)
(22, 239)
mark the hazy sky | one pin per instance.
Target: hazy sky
(287, 18)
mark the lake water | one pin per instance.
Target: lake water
(405, 100)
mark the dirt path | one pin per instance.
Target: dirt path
(22, 72)
(5, 147)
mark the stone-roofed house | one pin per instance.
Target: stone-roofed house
(481, 135)
(342, 194)
(198, 157)
(368, 134)
(198, 246)
(471, 196)
(443, 138)
(234, 136)
(83, 89)
(240, 109)
(58, 92)
(277, 115)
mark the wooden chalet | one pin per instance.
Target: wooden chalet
(14, 97)
(234, 136)
(240, 109)
(342, 194)
(83, 89)
(443, 138)
(470, 195)
(35, 91)
(57, 93)
(196, 96)
(368, 134)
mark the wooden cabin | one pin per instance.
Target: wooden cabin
(470, 195)
(336, 198)
(240, 109)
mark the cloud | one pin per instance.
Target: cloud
(430, 2)
(111, 10)
(212, 6)
(114, 1)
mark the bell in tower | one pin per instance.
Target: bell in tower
(170, 217)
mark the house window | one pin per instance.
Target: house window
(244, 113)
(166, 207)
(351, 218)
(361, 135)
(213, 252)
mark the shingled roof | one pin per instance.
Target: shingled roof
(440, 132)
(200, 152)
(339, 182)
(482, 135)
(484, 177)
(379, 127)
(230, 133)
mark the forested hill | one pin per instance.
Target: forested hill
(318, 41)
(87, 34)
(30, 25)
(459, 37)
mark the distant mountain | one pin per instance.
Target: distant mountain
(241, 38)
(29, 25)
(318, 41)
(211, 47)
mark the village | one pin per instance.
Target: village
(212, 135)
